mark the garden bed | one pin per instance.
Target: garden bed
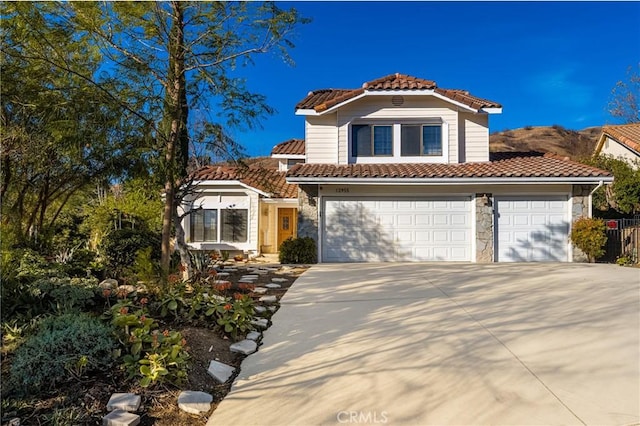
(83, 401)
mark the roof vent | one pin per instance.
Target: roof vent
(397, 100)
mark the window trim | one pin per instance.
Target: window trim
(372, 141)
(396, 157)
(219, 225)
(421, 142)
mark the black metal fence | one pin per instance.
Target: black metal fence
(623, 239)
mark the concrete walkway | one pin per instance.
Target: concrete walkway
(440, 344)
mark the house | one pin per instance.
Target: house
(400, 170)
(248, 209)
(622, 142)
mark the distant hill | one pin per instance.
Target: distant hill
(554, 139)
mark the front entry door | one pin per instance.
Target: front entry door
(286, 224)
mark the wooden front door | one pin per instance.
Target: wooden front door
(286, 224)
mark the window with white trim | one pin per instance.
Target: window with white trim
(219, 225)
(369, 140)
(421, 140)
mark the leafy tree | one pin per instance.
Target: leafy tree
(625, 97)
(624, 194)
(57, 133)
(164, 60)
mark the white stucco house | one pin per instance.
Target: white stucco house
(400, 170)
(621, 142)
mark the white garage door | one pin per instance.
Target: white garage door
(532, 229)
(385, 229)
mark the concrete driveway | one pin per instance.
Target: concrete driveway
(445, 344)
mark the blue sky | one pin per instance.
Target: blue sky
(545, 62)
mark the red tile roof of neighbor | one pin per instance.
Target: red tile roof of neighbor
(502, 165)
(290, 147)
(266, 180)
(627, 134)
(323, 99)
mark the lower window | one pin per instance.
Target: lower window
(223, 225)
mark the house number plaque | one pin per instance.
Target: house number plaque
(342, 190)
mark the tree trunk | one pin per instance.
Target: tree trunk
(181, 245)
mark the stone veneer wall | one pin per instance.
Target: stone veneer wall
(308, 211)
(579, 208)
(484, 229)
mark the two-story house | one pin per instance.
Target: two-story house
(622, 141)
(400, 170)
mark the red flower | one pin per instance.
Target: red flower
(227, 307)
(124, 310)
(144, 301)
(165, 333)
(143, 319)
(213, 272)
(238, 296)
(183, 342)
(174, 278)
(182, 267)
(106, 292)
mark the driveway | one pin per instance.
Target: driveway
(443, 343)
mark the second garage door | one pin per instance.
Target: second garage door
(532, 229)
(389, 229)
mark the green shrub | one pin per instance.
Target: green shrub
(298, 250)
(121, 248)
(589, 235)
(64, 346)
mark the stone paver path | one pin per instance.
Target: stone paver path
(219, 371)
(194, 402)
(124, 401)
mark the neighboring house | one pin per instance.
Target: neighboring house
(289, 153)
(242, 209)
(622, 142)
(400, 170)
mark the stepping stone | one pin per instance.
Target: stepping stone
(262, 272)
(260, 309)
(231, 269)
(268, 299)
(260, 323)
(254, 335)
(273, 285)
(245, 347)
(259, 290)
(194, 402)
(250, 276)
(279, 280)
(121, 418)
(124, 401)
(219, 371)
(222, 274)
(273, 308)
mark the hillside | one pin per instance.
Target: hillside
(555, 139)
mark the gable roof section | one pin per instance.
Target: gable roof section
(323, 99)
(290, 147)
(268, 181)
(503, 166)
(627, 134)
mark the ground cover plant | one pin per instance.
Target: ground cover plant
(62, 361)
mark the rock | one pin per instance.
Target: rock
(222, 274)
(14, 422)
(245, 347)
(120, 418)
(124, 402)
(219, 371)
(273, 308)
(260, 323)
(254, 335)
(126, 289)
(260, 309)
(259, 290)
(273, 285)
(262, 272)
(194, 402)
(279, 280)
(268, 299)
(108, 284)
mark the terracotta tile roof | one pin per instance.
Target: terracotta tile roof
(502, 165)
(290, 147)
(627, 134)
(323, 99)
(266, 180)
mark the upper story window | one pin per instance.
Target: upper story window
(406, 141)
(371, 140)
(421, 140)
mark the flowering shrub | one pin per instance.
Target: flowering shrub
(235, 315)
(149, 354)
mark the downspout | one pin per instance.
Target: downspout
(600, 184)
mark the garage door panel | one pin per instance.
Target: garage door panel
(533, 229)
(396, 230)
